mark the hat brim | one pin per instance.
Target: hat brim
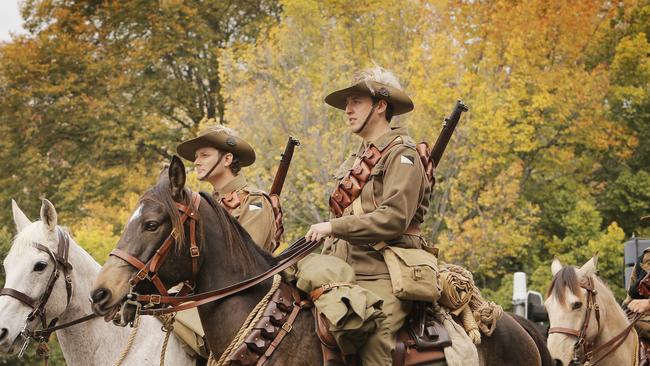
(398, 99)
(235, 145)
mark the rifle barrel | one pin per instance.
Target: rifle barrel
(447, 130)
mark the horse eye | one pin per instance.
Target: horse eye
(151, 225)
(39, 266)
(576, 305)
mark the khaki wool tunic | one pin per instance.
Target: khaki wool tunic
(254, 213)
(395, 198)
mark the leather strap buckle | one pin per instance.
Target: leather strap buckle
(142, 274)
(154, 299)
(194, 252)
(287, 327)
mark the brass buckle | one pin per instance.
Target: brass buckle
(287, 327)
(194, 252)
(155, 299)
(142, 274)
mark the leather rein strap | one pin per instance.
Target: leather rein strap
(149, 271)
(588, 352)
(292, 255)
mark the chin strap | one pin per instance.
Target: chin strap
(214, 166)
(372, 110)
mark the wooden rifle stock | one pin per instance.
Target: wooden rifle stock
(283, 168)
(447, 130)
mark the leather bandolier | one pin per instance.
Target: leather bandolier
(356, 178)
(233, 200)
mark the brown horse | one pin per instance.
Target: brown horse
(228, 255)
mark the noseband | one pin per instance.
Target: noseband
(149, 271)
(583, 349)
(61, 265)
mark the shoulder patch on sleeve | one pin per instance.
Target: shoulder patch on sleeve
(255, 206)
(407, 159)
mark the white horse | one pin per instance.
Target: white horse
(94, 342)
(580, 305)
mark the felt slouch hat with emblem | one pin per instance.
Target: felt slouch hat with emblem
(376, 82)
(221, 138)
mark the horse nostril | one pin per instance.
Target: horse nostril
(100, 296)
(3, 333)
(558, 362)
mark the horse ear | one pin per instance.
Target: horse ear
(176, 177)
(589, 268)
(48, 214)
(20, 219)
(556, 266)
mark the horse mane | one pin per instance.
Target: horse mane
(23, 240)
(563, 279)
(567, 277)
(239, 242)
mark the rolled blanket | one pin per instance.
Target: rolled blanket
(460, 293)
(457, 287)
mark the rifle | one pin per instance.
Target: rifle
(431, 159)
(281, 174)
(276, 188)
(447, 130)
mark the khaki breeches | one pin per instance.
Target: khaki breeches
(378, 348)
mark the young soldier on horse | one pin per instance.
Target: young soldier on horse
(219, 154)
(380, 198)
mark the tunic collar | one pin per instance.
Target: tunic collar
(238, 183)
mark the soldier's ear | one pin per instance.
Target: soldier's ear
(227, 159)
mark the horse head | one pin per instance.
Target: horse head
(580, 307)
(34, 278)
(155, 220)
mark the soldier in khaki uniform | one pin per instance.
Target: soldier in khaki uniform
(391, 205)
(219, 154)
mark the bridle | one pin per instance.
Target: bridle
(583, 349)
(149, 270)
(146, 304)
(61, 266)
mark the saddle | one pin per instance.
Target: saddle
(420, 341)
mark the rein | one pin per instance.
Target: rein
(582, 344)
(61, 265)
(181, 301)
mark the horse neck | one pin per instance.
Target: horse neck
(613, 322)
(92, 342)
(223, 319)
